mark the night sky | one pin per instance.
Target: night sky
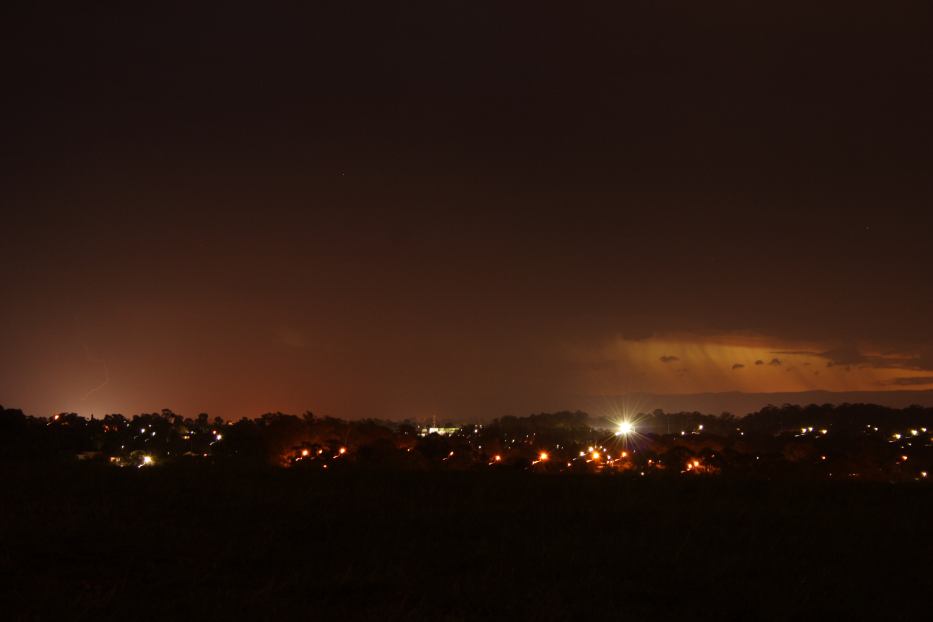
(463, 209)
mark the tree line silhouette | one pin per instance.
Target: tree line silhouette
(842, 441)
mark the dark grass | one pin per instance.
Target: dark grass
(167, 544)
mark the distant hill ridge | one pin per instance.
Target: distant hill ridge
(739, 403)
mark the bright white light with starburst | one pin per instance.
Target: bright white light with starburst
(625, 428)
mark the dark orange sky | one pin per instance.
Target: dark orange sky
(463, 209)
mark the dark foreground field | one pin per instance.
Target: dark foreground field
(163, 544)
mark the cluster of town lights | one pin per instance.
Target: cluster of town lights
(598, 456)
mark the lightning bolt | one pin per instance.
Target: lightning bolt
(92, 360)
(96, 361)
